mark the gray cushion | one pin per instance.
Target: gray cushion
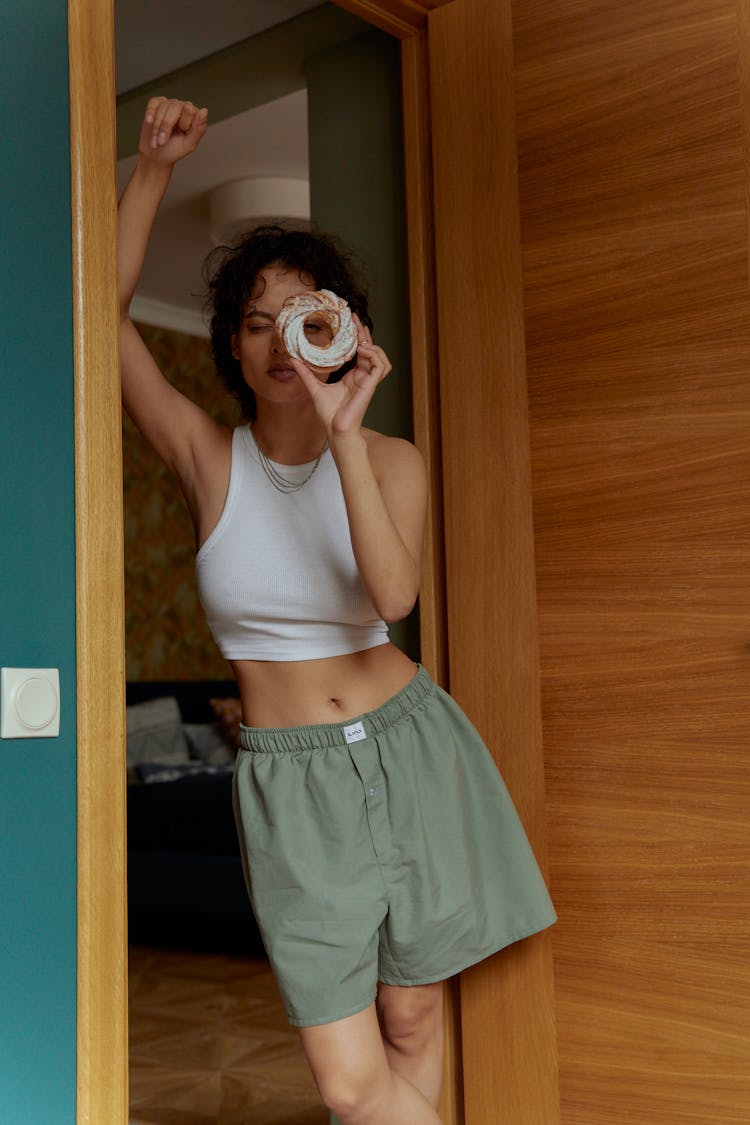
(154, 733)
(208, 744)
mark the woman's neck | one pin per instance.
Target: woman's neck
(289, 436)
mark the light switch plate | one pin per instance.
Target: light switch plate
(29, 702)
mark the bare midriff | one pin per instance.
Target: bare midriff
(292, 693)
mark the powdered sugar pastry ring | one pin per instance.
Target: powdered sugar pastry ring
(335, 312)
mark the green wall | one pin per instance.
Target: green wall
(37, 590)
(356, 192)
(247, 74)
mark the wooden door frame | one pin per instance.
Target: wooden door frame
(102, 922)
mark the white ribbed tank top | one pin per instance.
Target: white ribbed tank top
(277, 576)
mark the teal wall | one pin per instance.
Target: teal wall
(357, 193)
(37, 590)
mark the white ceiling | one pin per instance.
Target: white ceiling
(154, 37)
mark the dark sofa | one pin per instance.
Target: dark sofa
(185, 883)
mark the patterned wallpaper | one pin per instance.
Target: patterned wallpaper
(166, 634)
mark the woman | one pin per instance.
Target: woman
(381, 850)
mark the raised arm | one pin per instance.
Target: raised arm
(182, 433)
(383, 480)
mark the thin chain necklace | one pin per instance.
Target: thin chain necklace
(277, 479)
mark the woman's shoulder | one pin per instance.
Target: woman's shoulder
(385, 445)
(393, 456)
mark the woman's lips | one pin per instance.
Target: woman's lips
(283, 374)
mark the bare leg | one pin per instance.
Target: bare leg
(411, 1021)
(351, 1069)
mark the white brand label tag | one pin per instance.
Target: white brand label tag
(354, 733)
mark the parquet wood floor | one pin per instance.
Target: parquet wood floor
(210, 1044)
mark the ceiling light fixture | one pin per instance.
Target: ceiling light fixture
(237, 206)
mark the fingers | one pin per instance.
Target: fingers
(370, 358)
(376, 358)
(152, 107)
(170, 116)
(306, 374)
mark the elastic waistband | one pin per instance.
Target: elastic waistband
(281, 740)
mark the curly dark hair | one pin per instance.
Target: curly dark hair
(231, 272)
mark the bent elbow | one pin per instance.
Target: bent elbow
(396, 609)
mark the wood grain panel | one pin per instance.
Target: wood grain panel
(635, 262)
(506, 1002)
(743, 54)
(100, 642)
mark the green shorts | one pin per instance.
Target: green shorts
(382, 849)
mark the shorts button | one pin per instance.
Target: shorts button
(372, 792)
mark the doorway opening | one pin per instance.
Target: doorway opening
(194, 945)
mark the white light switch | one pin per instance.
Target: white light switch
(29, 702)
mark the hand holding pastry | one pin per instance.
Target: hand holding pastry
(341, 406)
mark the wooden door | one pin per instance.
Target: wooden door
(632, 136)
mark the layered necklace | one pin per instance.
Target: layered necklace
(277, 479)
